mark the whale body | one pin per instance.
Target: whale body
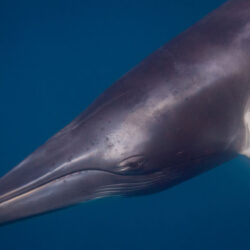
(184, 110)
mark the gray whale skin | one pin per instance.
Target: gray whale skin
(180, 112)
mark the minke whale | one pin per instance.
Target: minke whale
(184, 110)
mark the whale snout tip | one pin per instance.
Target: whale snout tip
(56, 194)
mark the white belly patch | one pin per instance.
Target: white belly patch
(246, 145)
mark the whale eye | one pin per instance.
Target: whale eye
(132, 164)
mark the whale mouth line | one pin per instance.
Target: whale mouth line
(29, 189)
(41, 182)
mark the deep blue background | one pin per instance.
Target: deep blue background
(55, 58)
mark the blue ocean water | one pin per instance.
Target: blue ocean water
(55, 58)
